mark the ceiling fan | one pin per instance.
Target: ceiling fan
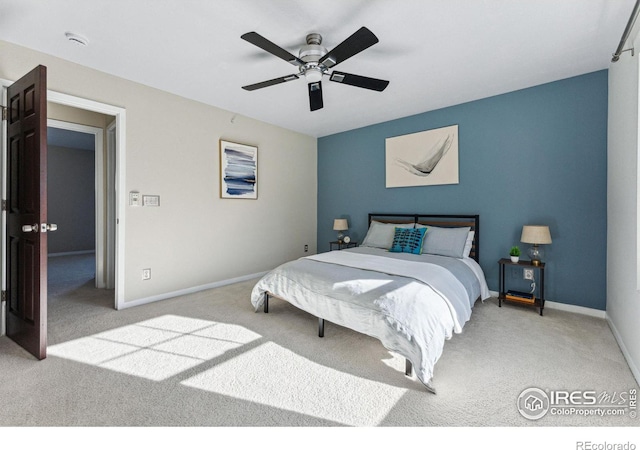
(314, 61)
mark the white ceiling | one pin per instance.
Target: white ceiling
(435, 53)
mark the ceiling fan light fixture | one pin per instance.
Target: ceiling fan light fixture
(313, 75)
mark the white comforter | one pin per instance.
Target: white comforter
(412, 304)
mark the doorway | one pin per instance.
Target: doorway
(116, 132)
(73, 193)
(81, 189)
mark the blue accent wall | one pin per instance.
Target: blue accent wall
(534, 156)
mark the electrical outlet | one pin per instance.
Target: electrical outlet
(306, 248)
(146, 274)
(528, 274)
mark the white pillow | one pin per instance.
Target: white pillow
(446, 241)
(380, 235)
(467, 245)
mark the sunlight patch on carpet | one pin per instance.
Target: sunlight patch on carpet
(272, 375)
(158, 348)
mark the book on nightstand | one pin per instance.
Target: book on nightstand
(520, 296)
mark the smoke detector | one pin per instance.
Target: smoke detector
(77, 39)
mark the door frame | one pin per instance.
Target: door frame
(111, 216)
(120, 184)
(99, 190)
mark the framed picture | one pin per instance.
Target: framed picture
(238, 170)
(422, 159)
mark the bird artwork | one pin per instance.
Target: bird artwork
(430, 159)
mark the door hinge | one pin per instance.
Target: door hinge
(4, 205)
(4, 113)
(4, 296)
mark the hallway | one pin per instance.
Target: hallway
(72, 292)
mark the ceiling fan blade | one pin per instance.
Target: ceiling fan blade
(359, 81)
(263, 84)
(268, 46)
(315, 95)
(354, 44)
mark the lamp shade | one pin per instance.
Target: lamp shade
(340, 224)
(535, 234)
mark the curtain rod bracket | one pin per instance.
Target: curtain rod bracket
(616, 57)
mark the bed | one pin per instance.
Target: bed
(411, 284)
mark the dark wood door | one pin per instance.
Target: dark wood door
(27, 212)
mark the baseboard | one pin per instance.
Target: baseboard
(576, 309)
(569, 308)
(623, 348)
(79, 252)
(191, 290)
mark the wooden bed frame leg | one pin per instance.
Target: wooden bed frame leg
(266, 302)
(320, 327)
(408, 368)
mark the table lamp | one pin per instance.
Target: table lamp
(536, 235)
(340, 225)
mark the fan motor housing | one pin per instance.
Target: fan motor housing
(312, 52)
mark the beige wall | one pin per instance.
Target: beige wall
(623, 251)
(74, 115)
(194, 238)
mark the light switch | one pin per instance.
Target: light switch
(150, 200)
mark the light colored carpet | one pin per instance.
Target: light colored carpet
(208, 359)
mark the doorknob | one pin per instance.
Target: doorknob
(30, 228)
(48, 227)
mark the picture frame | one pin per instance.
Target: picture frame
(424, 158)
(238, 170)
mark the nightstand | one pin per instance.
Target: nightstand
(341, 245)
(502, 294)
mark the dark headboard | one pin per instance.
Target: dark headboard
(437, 220)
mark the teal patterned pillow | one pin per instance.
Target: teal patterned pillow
(408, 240)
